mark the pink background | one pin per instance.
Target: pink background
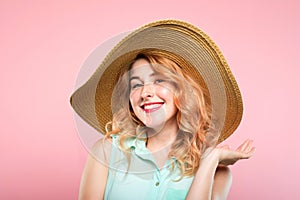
(43, 45)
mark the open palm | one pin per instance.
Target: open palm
(228, 156)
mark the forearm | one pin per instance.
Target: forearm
(211, 183)
(202, 186)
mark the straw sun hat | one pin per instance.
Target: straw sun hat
(179, 41)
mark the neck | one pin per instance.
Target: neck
(158, 140)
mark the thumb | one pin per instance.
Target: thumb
(225, 147)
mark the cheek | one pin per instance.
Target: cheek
(165, 92)
(133, 98)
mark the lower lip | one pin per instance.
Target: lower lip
(153, 109)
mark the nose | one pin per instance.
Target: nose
(148, 91)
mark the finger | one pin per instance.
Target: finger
(225, 147)
(244, 145)
(251, 151)
(249, 147)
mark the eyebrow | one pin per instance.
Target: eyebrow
(137, 77)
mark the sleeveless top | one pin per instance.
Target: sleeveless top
(141, 179)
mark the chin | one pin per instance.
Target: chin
(155, 125)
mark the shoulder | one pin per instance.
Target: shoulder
(101, 150)
(95, 173)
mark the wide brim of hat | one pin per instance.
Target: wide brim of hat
(185, 44)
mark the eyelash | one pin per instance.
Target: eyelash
(159, 81)
(136, 85)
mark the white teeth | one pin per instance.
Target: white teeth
(151, 106)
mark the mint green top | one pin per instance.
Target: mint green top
(142, 179)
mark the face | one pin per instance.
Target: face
(151, 96)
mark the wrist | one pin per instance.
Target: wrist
(210, 160)
(211, 155)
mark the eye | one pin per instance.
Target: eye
(159, 80)
(137, 85)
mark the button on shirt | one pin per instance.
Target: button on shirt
(141, 178)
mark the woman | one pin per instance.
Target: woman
(165, 121)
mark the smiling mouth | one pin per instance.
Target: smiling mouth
(151, 107)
